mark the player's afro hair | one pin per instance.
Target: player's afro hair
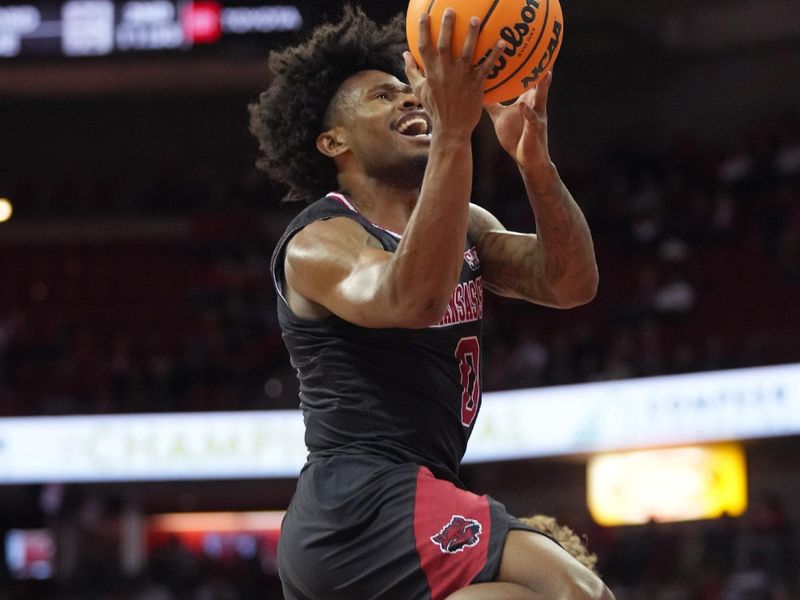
(293, 111)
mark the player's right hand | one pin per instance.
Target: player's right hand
(451, 88)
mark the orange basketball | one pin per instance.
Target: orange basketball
(531, 29)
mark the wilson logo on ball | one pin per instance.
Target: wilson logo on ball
(532, 31)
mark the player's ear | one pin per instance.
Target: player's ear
(332, 143)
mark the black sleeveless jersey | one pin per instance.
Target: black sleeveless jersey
(411, 395)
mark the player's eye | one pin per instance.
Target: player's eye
(383, 96)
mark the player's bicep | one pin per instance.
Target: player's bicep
(510, 261)
(337, 266)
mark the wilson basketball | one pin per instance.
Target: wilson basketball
(531, 29)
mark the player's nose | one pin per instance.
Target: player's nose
(410, 102)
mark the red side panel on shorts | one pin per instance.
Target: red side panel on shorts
(451, 529)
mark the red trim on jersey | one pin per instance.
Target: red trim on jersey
(342, 199)
(439, 503)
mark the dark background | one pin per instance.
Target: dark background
(134, 271)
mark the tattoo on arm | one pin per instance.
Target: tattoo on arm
(566, 250)
(556, 267)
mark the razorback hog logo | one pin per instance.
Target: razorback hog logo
(458, 534)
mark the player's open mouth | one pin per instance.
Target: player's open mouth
(415, 124)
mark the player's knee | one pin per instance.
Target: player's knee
(604, 593)
(607, 595)
(590, 587)
(538, 563)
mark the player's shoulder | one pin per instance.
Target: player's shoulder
(324, 239)
(336, 230)
(323, 207)
(327, 220)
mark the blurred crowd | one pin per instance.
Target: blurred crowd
(698, 249)
(754, 557)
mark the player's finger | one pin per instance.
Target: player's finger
(413, 73)
(542, 89)
(445, 41)
(527, 112)
(484, 68)
(528, 98)
(493, 110)
(471, 41)
(424, 38)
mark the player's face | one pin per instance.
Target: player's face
(386, 127)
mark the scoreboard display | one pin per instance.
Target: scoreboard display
(79, 28)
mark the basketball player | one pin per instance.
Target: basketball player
(380, 282)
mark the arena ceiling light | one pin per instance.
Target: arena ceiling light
(6, 209)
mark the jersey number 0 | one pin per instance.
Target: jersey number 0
(468, 353)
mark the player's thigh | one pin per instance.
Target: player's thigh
(536, 562)
(495, 590)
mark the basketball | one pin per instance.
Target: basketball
(531, 29)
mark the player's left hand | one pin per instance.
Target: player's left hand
(521, 127)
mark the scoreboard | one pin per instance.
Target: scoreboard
(76, 28)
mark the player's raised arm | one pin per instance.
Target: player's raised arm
(555, 267)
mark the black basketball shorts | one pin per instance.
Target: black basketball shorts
(365, 528)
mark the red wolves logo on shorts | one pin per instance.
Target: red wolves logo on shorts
(458, 534)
